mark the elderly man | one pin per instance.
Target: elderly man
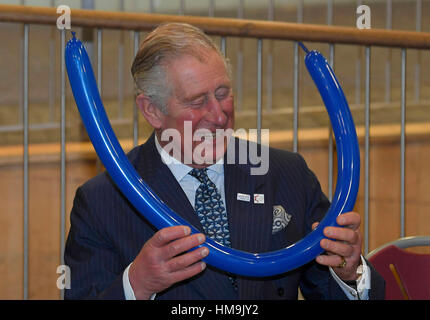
(183, 86)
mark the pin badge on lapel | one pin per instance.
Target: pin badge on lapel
(258, 198)
(243, 197)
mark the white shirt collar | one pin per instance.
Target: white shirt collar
(180, 170)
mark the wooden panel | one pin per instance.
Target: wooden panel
(44, 225)
(11, 240)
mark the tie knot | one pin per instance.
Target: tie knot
(200, 174)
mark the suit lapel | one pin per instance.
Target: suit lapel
(250, 223)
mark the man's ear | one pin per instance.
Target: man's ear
(151, 112)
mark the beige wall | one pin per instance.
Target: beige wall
(44, 225)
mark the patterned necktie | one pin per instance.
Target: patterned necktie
(211, 212)
(210, 208)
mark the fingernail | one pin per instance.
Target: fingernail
(201, 238)
(323, 242)
(203, 265)
(205, 252)
(320, 259)
(328, 232)
(187, 230)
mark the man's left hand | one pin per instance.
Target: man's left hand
(343, 248)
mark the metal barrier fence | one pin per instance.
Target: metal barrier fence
(259, 30)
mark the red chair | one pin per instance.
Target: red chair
(407, 274)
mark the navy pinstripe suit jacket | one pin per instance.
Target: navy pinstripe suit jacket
(107, 233)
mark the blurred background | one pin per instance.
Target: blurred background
(37, 186)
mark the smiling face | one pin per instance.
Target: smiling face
(201, 95)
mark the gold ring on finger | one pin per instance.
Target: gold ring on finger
(342, 264)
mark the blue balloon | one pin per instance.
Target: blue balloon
(87, 97)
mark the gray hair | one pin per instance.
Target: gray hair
(167, 41)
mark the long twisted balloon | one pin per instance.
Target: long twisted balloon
(94, 117)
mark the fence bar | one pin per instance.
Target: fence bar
(121, 66)
(271, 10)
(25, 156)
(418, 63)
(418, 77)
(330, 137)
(358, 70)
(366, 152)
(388, 76)
(211, 8)
(259, 86)
(358, 77)
(402, 145)
(239, 77)
(269, 77)
(329, 12)
(296, 97)
(182, 7)
(388, 26)
(389, 15)
(300, 11)
(121, 74)
(223, 45)
(296, 82)
(135, 111)
(269, 72)
(99, 78)
(51, 81)
(419, 15)
(239, 70)
(63, 153)
(151, 6)
(240, 9)
(99, 60)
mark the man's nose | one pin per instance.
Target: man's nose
(216, 112)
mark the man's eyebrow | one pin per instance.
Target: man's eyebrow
(203, 94)
(223, 86)
(194, 96)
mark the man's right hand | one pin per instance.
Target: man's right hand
(163, 261)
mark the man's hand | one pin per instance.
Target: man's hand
(163, 260)
(343, 243)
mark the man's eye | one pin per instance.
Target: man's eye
(197, 103)
(221, 94)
